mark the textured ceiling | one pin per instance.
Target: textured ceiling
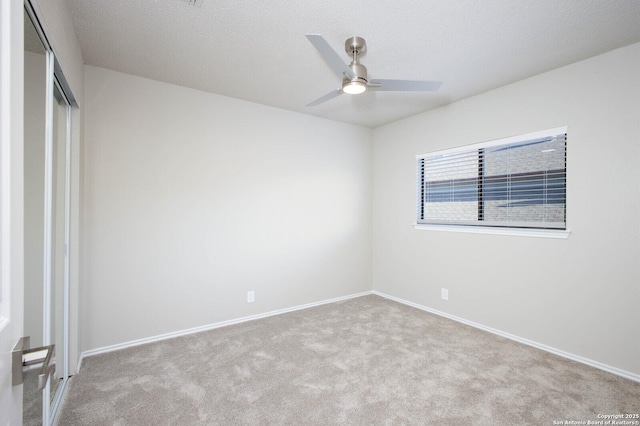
(256, 50)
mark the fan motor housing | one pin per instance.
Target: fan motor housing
(356, 45)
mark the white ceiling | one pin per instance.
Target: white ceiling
(256, 50)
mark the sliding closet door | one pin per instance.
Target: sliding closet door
(47, 143)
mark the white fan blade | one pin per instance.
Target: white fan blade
(404, 85)
(326, 97)
(330, 56)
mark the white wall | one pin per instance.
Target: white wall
(192, 199)
(579, 295)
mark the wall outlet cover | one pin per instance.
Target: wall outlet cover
(445, 294)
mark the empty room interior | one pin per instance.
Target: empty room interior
(255, 212)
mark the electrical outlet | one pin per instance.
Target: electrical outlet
(251, 297)
(445, 294)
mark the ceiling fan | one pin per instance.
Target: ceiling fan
(354, 76)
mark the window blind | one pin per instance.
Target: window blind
(519, 182)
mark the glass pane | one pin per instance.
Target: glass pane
(58, 263)
(35, 77)
(451, 187)
(526, 182)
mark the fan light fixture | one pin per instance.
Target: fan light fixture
(354, 87)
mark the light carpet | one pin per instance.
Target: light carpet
(364, 361)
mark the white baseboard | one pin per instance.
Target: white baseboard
(573, 357)
(188, 331)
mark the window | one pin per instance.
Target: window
(518, 182)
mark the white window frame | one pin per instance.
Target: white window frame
(483, 229)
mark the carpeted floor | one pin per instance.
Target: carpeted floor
(364, 361)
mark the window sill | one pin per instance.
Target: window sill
(521, 232)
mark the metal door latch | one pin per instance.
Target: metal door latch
(22, 356)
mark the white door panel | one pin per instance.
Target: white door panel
(11, 204)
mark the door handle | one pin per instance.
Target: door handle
(22, 356)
